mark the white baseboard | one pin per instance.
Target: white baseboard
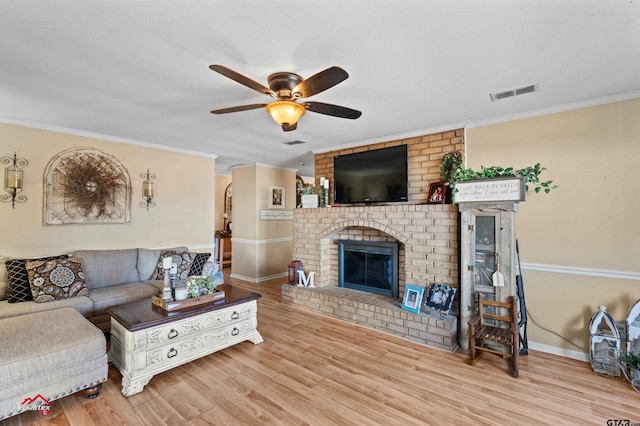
(258, 280)
(567, 353)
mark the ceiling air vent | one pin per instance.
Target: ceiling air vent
(515, 92)
(296, 142)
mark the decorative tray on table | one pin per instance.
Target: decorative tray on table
(186, 303)
(201, 291)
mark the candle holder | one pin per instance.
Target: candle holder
(166, 290)
(173, 275)
(13, 176)
(147, 190)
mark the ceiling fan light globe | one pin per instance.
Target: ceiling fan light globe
(285, 112)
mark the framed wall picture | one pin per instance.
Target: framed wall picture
(276, 197)
(412, 298)
(437, 193)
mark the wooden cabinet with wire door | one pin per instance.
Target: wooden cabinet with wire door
(487, 256)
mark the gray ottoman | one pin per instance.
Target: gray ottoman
(48, 355)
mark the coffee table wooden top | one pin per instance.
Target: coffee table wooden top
(144, 314)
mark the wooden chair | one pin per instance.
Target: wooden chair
(500, 336)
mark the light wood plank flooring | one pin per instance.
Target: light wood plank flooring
(314, 370)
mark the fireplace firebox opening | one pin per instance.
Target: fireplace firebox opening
(368, 266)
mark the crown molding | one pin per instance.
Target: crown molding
(556, 109)
(74, 132)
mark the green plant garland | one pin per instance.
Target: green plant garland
(531, 175)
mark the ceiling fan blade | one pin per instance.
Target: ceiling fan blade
(321, 81)
(288, 128)
(334, 110)
(246, 81)
(237, 108)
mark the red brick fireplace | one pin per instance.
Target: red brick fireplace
(427, 237)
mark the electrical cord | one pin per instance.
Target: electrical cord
(539, 324)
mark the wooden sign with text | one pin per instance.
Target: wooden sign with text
(496, 189)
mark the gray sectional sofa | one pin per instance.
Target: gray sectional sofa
(113, 277)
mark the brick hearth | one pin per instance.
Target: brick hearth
(375, 311)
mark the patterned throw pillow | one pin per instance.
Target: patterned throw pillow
(198, 262)
(183, 259)
(56, 279)
(19, 287)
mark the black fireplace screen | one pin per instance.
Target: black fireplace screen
(369, 266)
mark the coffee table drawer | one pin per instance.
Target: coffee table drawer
(170, 333)
(158, 336)
(190, 347)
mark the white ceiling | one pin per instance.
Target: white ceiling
(139, 70)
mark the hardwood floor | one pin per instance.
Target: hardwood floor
(319, 371)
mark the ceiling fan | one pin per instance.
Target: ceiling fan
(286, 88)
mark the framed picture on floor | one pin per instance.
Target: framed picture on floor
(412, 298)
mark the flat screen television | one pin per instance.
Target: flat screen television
(375, 176)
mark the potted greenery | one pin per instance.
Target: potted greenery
(307, 194)
(451, 162)
(631, 361)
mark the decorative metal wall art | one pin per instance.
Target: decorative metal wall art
(86, 186)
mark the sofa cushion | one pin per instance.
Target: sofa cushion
(117, 295)
(56, 279)
(82, 304)
(51, 343)
(104, 268)
(183, 259)
(19, 286)
(60, 337)
(148, 260)
(199, 259)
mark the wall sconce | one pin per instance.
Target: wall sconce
(147, 190)
(13, 176)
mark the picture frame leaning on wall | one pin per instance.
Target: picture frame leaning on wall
(412, 298)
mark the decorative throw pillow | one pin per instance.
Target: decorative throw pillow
(210, 269)
(56, 279)
(199, 259)
(19, 287)
(440, 297)
(182, 259)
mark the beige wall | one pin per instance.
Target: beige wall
(184, 188)
(586, 228)
(262, 249)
